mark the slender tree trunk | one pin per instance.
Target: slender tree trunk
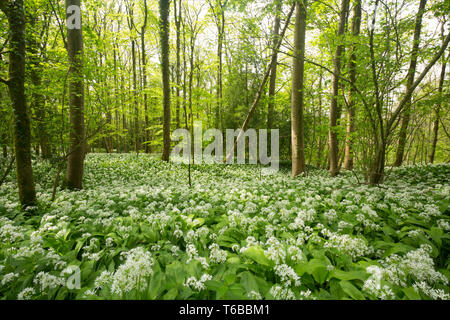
(191, 76)
(409, 82)
(177, 16)
(437, 110)
(334, 107)
(184, 71)
(137, 146)
(319, 146)
(164, 8)
(124, 117)
(273, 71)
(37, 99)
(297, 104)
(14, 11)
(356, 25)
(75, 160)
(144, 77)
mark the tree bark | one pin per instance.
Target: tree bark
(273, 71)
(409, 82)
(164, 7)
(144, 77)
(177, 16)
(297, 104)
(14, 11)
(356, 25)
(437, 110)
(75, 160)
(334, 107)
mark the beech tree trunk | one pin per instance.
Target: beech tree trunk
(297, 104)
(75, 160)
(334, 107)
(177, 16)
(14, 12)
(437, 110)
(164, 8)
(144, 78)
(356, 25)
(273, 71)
(409, 82)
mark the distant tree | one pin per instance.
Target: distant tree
(409, 82)
(335, 107)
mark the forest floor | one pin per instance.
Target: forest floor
(137, 231)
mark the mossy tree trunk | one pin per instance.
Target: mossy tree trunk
(75, 160)
(14, 11)
(164, 8)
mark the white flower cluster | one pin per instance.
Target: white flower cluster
(26, 294)
(217, 255)
(9, 232)
(352, 246)
(287, 275)
(198, 285)
(282, 293)
(373, 285)
(134, 272)
(47, 281)
(192, 254)
(9, 277)
(436, 294)
(416, 264)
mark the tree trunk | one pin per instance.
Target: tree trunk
(177, 16)
(437, 110)
(191, 77)
(334, 107)
(164, 7)
(356, 25)
(377, 167)
(319, 144)
(137, 146)
(14, 11)
(409, 82)
(144, 77)
(75, 160)
(273, 71)
(298, 150)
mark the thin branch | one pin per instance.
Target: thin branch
(8, 170)
(59, 24)
(408, 94)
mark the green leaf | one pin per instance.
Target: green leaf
(411, 293)
(171, 294)
(318, 269)
(351, 290)
(155, 285)
(256, 253)
(248, 281)
(348, 275)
